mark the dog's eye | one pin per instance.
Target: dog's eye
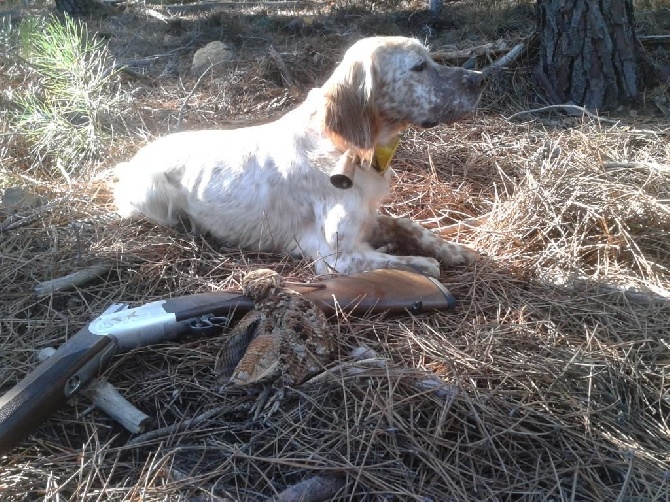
(419, 67)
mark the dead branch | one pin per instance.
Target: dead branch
(631, 295)
(210, 6)
(179, 427)
(506, 60)
(568, 108)
(367, 359)
(109, 400)
(654, 39)
(492, 48)
(652, 166)
(457, 228)
(313, 489)
(281, 66)
(71, 280)
(23, 218)
(182, 108)
(155, 14)
(549, 90)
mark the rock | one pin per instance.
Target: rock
(18, 199)
(212, 54)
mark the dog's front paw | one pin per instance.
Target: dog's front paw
(425, 265)
(450, 253)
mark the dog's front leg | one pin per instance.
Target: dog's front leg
(402, 234)
(342, 248)
(366, 258)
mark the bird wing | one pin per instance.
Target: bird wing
(236, 344)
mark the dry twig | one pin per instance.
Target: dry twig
(571, 109)
(283, 69)
(314, 489)
(70, 281)
(637, 165)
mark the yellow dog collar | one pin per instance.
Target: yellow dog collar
(384, 155)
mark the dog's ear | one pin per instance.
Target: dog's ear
(351, 117)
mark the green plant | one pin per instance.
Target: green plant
(66, 110)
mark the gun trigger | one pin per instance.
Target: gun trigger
(208, 324)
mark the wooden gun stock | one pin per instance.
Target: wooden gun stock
(86, 354)
(384, 290)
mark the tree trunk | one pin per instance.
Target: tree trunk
(435, 6)
(589, 53)
(78, 7)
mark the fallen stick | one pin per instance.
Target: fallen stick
(108, 399)
(491, 49)
(23, 218)
(480, 50)
(313, 489)
(570, 109)
(182, 108)
(155, 14)
(456, 228)
(179, 426)
(208, 6)
(632, 296)
(71, 280)
(366, 359)
(654, 39)
(504, 61)
(662, 168)
(281, 65)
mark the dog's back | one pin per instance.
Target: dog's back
(268, 187)
(252, 187)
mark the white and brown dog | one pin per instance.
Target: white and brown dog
(268, 187)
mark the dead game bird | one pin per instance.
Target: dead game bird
(280, 343)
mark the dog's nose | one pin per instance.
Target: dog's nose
(475, 78)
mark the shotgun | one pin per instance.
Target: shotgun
(121, 329)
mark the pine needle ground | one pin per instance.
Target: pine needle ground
(548, 382)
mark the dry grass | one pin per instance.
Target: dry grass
(555, 375)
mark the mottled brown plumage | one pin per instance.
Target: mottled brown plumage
(284, 340)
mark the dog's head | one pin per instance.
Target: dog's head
(385, 84)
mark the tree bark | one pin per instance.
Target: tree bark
(589, 53)
(435, 6)
(78, 7)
